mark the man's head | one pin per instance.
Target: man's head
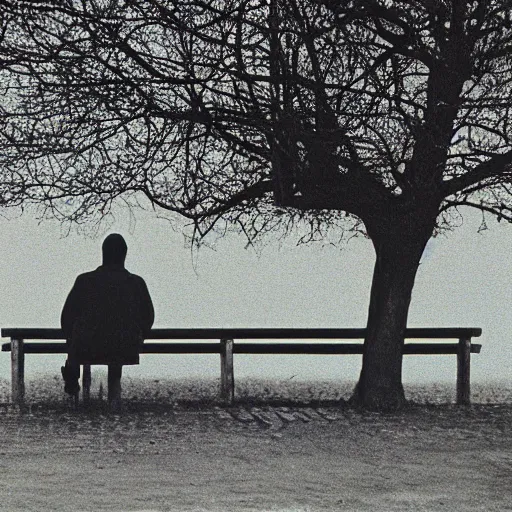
(114, 249)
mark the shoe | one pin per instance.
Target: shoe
(71, 386)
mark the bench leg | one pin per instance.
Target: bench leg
(114, 386)
(463, 372)
(86, 383)
(227, 378)
(17, 371)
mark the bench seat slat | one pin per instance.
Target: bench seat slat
(342, 348)
(254, 348)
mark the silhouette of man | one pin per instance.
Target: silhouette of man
(105, 318)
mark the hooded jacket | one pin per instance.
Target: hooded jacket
(106, 316)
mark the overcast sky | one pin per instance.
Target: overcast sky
(464, 280)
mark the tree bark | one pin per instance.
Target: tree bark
(398, 256)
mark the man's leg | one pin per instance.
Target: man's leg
(71, 374)
(114, 384)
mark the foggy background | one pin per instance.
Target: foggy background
(463, 281)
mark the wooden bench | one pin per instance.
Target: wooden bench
(226, 347)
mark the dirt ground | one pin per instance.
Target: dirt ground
(267, 458)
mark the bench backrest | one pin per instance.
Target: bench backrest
(258, 333)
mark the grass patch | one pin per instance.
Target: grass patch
(203, 392)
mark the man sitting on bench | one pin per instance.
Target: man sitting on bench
(105, 318)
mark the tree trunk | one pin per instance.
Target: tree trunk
(397, 260)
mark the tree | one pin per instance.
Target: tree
(370, 116)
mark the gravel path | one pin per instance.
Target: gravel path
(256, 458)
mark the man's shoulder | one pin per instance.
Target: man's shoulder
(94, 272)
(92, 276)
(136, 278)
(85, 276)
